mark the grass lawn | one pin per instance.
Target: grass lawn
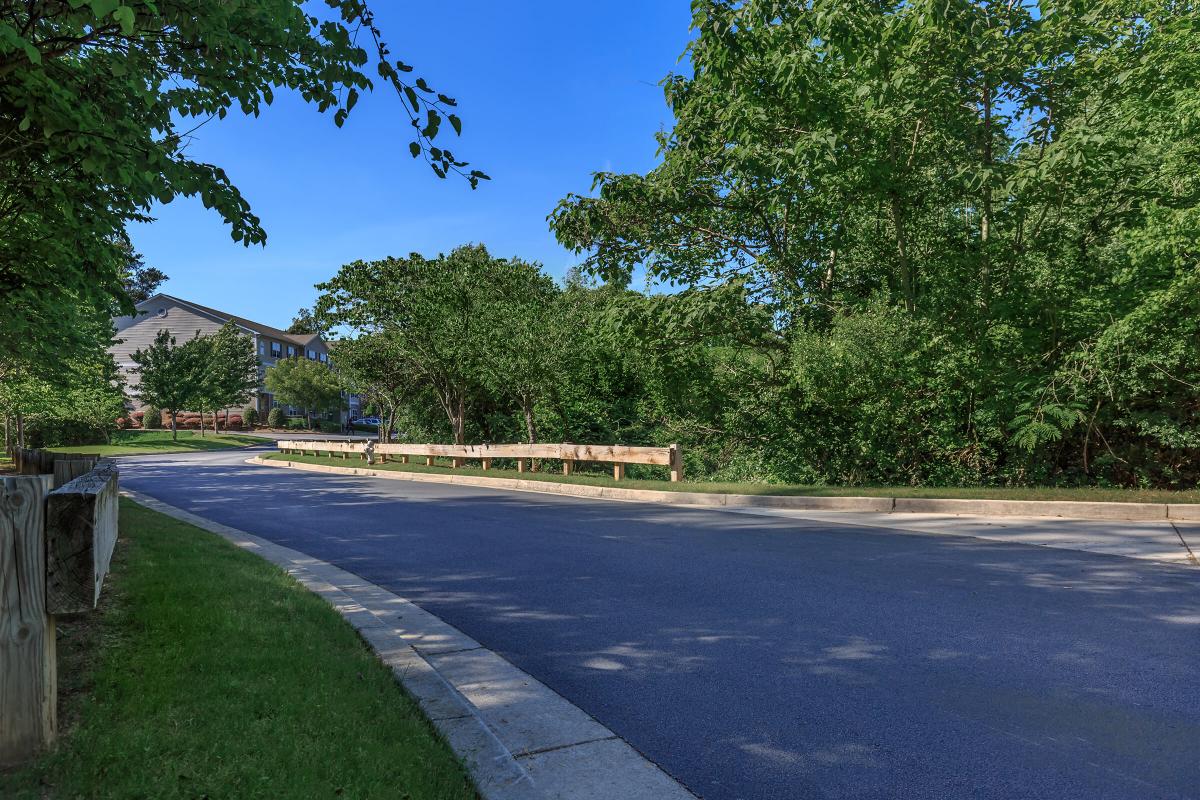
(970, 492)
(132, 443)
(211, 673)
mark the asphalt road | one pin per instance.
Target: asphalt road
(764, 657)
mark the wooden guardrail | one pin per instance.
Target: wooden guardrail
(618, 455)
(55, 548)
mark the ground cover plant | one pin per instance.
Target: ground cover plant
(211, 673)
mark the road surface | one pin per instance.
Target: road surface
(766, 657)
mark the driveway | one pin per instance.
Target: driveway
(765, 657)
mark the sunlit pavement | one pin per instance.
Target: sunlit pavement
(774, 657)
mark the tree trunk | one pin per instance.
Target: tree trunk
(174, 429)
(985, 222)
(530, 430)
(908, 278)
(459, 417)
(20, 430)
(201, 422)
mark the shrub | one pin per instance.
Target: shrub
(328, 426)
(250, 416)
(123, 423)
(234, 421)
(275, 418)
(297, 423)
(152, 418)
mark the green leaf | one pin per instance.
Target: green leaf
(103, 8)
(124, 15)
(455, 123)
(414, 148)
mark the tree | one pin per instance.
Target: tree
(373, 366)
(140, 281)
(1004, 188)
(517, 363)
(437, 316)
(231, 371)
(171, 376)
(97, 103)
(305, 322)
(306, 384)
(96, 396)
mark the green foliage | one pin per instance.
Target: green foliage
(97, 100)
(955, 244)
(250, 416)
(152, 418)
(170, 375)
(275, 418)
(307, 384)
(437, 325)
(82, 403)
(231, 369)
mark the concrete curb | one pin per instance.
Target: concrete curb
(518, 739)
(912, 505)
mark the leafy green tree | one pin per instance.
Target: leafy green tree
(231, 371)
(306, 384)
(437, 316)
(306, 322)
(171, 376)
(1004, 188)
(371, 365)
(97, 101)
(520, 319)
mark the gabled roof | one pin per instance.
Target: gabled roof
(301, 339)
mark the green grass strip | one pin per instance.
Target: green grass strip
(1087, 493)
(211, 673)
(132, 443)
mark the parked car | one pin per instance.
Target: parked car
(366, 421)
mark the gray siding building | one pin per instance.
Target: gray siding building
(185, 320)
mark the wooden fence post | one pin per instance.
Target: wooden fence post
(81, 531)
(676, 463)
(68, 469)
(28, 675)
(618, 472)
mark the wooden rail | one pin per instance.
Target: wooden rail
(63, 466)
(618, 455)
(55, 549)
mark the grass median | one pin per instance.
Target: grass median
(1084, 494)
(132, 443)
(211, 673)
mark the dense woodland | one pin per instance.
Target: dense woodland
(929, 242)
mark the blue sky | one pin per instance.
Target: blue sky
(549, 92)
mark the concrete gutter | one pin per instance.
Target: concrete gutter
(517, 737)
(913, 505)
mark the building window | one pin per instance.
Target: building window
(262, 348)
(275, 349)
(324, 358)
(312, 355)
(291, 351)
